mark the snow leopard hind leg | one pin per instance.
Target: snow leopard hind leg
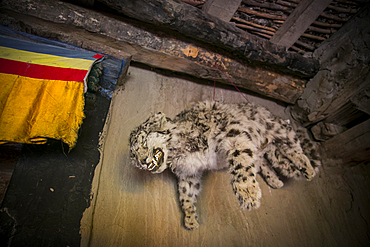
(284, 166)
(281, 164)
(189, 188)
(268, 173)
(288, 145)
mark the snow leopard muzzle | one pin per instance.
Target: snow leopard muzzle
(157, 160)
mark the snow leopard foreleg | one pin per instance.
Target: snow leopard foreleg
(189, 188)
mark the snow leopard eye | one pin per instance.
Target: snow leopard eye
(143, 142)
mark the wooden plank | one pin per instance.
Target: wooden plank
(352, 145)
(113, 37)
(192, 22)
(297, 23)
(222, 9)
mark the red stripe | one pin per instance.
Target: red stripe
(41, 71)
(98, 56)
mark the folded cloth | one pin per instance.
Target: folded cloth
(41, 91)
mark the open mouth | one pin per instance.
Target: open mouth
(156, 160)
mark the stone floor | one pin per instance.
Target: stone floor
(132, 207)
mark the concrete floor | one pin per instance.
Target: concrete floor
(131, 207)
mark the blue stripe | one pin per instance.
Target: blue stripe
(44, 48)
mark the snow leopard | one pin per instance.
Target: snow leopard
(243, 138)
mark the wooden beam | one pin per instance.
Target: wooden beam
(222, 9)
(298, 21)
(111, 36)
(352, 145)
(192, 22)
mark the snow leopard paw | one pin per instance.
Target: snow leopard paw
(191, 221)
(249, 195)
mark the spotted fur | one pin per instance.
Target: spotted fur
(284, 166)
(244, 138)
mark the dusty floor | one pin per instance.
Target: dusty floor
(131, 207)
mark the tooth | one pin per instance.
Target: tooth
(151, 166)
(154, 162)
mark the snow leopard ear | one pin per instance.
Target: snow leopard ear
(156, 122)
(162, 120)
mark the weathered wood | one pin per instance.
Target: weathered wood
(362, 100)
(261, 14)
(254, 29)
(297, 23)
(344, 73)
(221, 9)
(337, 107)
(287, 4)
(261, 34)
(324, 131)
(315, 37)
(307, 46)
(110, 36)
(267, 5)
(293, 1)
(193, 23)
(194, 3)
(352, 145)
(346, 114)
(320, 30)
(333, 17)
(342, 10)
(252, 24)
(294, 48)
(323, 24)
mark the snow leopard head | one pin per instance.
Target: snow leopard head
(148, 144)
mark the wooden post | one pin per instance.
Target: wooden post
(297, 23)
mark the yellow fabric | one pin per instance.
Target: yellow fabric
(44, 59)
(32, 109)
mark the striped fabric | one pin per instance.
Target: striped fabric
(41, 91)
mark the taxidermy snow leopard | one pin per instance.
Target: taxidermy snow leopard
(245, 138)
